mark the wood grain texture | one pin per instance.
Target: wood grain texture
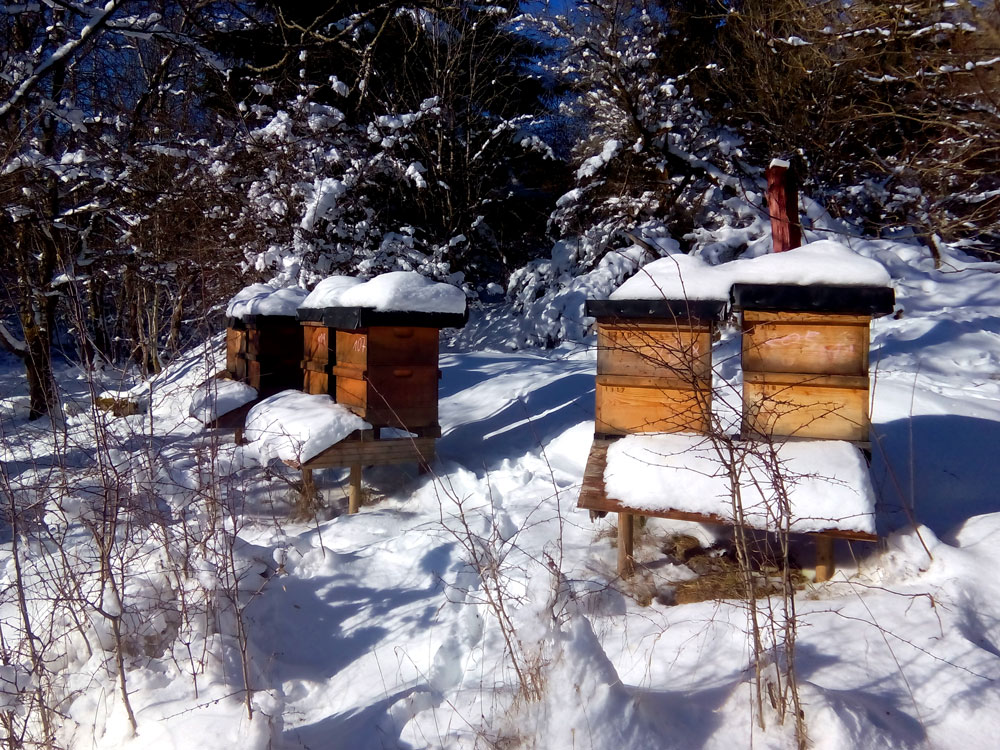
(806, 406)
(783, 205)
(679, 350)
(316, 383)
(805, 343)
(623, 409)
(318, 343)
(389, 376)
(372, 453)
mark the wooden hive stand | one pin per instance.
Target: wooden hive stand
(383, 366)
(805, 364)
(654, 374)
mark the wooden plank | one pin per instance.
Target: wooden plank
(655, 350)
(403, 397)
(315, 382)
(669, 382)
(811, 408)
(398, 345)
(853, 382)
(811, 317)
(317, 345)
(236, 341)
(232, 419)
(373, 453)
(808, 344)
(627, 409)
(593, 496)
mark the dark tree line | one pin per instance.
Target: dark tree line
(150, 149)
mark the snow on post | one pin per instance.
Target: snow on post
(783, 206)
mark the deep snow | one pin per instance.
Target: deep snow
(376, 630)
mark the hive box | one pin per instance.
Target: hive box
(805, 358)
(265, 351)
(381, 365)
(654, 365)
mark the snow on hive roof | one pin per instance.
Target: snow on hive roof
(686, 277)
(398, 291)
(218, 397)
(328, 292)
(264, 299)
(827, 481)
(295, 426)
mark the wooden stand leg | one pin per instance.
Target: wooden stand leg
(354, 490)
(824, 558)
(626, 540)
(238, 436)
(308, 488)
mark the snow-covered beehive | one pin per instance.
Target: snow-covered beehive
(805, 342)
(263, 339)
(373, 345)
(654, 361)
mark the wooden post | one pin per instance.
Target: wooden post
(783, 205)
(308, 488)
(824, 558)
(354, 490)
(626, 541)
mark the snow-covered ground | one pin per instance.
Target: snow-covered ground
(477, 607)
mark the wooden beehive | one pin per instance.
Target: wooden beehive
(805, 359)
(318, 347)
(265, 351)
(389, 375)
(236, 349)
(381, 365)
(654, 365)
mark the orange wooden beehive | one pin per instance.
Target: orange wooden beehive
(654, 365)
(265, 351)
(805, 358)
(381, 365)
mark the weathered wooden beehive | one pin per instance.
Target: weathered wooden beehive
(654, 365)
(381, 365)
(265, 351)
(805, 358)
(236, 349)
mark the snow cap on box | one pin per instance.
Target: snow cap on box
(824, 262)
(398, 291)
(265, 299)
